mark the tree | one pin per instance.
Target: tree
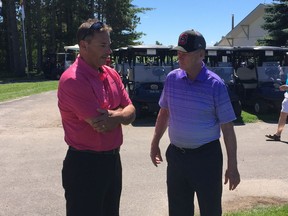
(52, 24)
(12, 37)
(276, 23)
(123, 21)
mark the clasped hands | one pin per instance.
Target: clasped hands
(106, 121)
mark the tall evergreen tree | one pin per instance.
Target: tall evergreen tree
(276, 23)
(52, 24)
(122, 16)
(16, 66)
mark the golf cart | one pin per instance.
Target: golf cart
(56, 63)
(219, 59)
(121, 63)
(259, 71)
(143, 69)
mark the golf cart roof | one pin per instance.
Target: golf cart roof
(275, 48)
(219, 48)
(148, 47)
(74, 47)
(120, 49)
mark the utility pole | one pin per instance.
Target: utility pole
(24, 37)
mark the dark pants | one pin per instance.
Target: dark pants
(195, 171)
(92, 183)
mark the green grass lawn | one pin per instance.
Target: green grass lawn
(263, 211)
(247, 116)
(14, 90)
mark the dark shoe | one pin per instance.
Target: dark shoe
(273, 137)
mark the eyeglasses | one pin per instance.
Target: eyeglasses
(94, 27)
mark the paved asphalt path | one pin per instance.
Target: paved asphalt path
(32, 151)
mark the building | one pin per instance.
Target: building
(248, 31)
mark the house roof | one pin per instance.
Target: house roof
(250, 18)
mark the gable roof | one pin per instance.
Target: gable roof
(245, 26)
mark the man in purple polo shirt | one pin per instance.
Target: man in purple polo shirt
(195, 105)
(93, 104)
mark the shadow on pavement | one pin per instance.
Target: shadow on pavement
(281, 141)
(145, 121)
(148, 120)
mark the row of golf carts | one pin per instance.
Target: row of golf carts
(252, 74)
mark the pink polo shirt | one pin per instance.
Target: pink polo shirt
(81, 91)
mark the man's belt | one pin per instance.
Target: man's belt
(110, 152)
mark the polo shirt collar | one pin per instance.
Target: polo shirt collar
(85, 68)
(203, 74)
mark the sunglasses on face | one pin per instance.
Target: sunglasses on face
(94, 27)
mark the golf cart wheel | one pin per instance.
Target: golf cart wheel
(260, 107)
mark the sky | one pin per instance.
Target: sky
(212, 18)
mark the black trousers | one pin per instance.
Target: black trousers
(92, 183)
(195, 171)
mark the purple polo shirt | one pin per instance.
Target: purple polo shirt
(197, 108)
(81, 91)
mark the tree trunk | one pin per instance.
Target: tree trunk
(15, 65)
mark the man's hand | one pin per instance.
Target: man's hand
(283, 88)
(155, 155)
(160, 128)
(106, 121)
(110, 119)
(233, 177)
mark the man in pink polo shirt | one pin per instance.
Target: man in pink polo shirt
(93, 104)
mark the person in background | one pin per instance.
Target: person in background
(195, 106)
(109, 62)
(93, 104)
(283, 115)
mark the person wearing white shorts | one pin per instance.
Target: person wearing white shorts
(283, 115)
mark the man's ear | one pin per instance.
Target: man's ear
(83, 44)
(203, 54)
